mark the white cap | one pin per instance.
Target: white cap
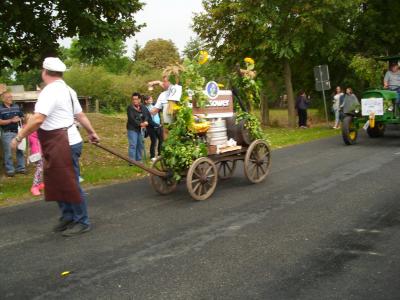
(54, 64)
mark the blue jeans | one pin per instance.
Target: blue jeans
(6, 138)
(136, 146)
(76, 212)
(337, 116)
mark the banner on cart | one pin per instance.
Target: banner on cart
(219, 107)
(372, 105)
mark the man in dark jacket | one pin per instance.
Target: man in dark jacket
(301, 105)
(137, 120)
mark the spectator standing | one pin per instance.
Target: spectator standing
(154, 129)
(336, 106)
(10, 116)
(302, 103)
(137, 120)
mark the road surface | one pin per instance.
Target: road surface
(324, 225)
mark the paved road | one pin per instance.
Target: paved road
(324, 225)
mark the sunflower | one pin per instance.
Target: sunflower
(249, 60)
(203, 57)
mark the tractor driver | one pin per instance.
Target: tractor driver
(392, 79)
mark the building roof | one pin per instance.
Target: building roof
(28, 96)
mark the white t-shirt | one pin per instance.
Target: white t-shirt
(162, 100)
(162, 104)
(336, 101)
(55, 103)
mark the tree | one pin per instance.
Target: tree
(193, 47)
(29, 30)
(159, 53)
(114, 61)
(275, 31)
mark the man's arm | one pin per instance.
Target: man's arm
(82, 118)
(15, 119)
(33, 124)
(386, 80)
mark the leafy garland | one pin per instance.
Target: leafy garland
(245, 80)
(182, 146)
(252, 123)
(250, 92)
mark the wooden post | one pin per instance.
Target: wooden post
(97, 106)
(87, 104)
(264, 110)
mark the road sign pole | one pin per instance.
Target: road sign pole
(323, 95)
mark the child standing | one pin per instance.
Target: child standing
(36, 158)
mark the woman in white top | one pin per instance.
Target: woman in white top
(336, 106)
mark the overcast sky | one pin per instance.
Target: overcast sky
(166, 19)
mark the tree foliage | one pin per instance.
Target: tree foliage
(275, 32)
(30, 30)
(159, 53)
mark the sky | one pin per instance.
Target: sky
(166, 19)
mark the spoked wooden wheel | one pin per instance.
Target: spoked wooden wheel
(163, 185)
(201, 179)
(226, 168)
(257, 161)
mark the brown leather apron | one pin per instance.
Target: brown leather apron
(60, 179)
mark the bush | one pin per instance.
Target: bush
(113, 91)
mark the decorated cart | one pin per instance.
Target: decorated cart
(209, 134)
(222, 157)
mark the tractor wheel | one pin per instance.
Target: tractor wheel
(377, 131)
(349, 130)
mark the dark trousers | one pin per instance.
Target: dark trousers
(71, 211)
(156, 138)
(302, 117)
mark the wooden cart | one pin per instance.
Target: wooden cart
(204, 173)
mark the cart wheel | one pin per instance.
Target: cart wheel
(226, 168)
(257, 161)
(163, 185)
(349, 131)
(201, 179)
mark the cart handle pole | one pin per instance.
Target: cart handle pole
(133, 162)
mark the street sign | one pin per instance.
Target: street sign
(322, 84)
(321, 75)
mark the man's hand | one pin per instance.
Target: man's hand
(15, 119)
(94, 138)
(14, 144)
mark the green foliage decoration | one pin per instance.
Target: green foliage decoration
(252, 123)
(182, 146)
(249, 88)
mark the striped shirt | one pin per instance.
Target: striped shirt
(7, 113)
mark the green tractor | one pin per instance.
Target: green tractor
(378, 108)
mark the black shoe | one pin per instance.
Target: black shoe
(76, 229)
(62, 225)
(11, 174)
(21, 171)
